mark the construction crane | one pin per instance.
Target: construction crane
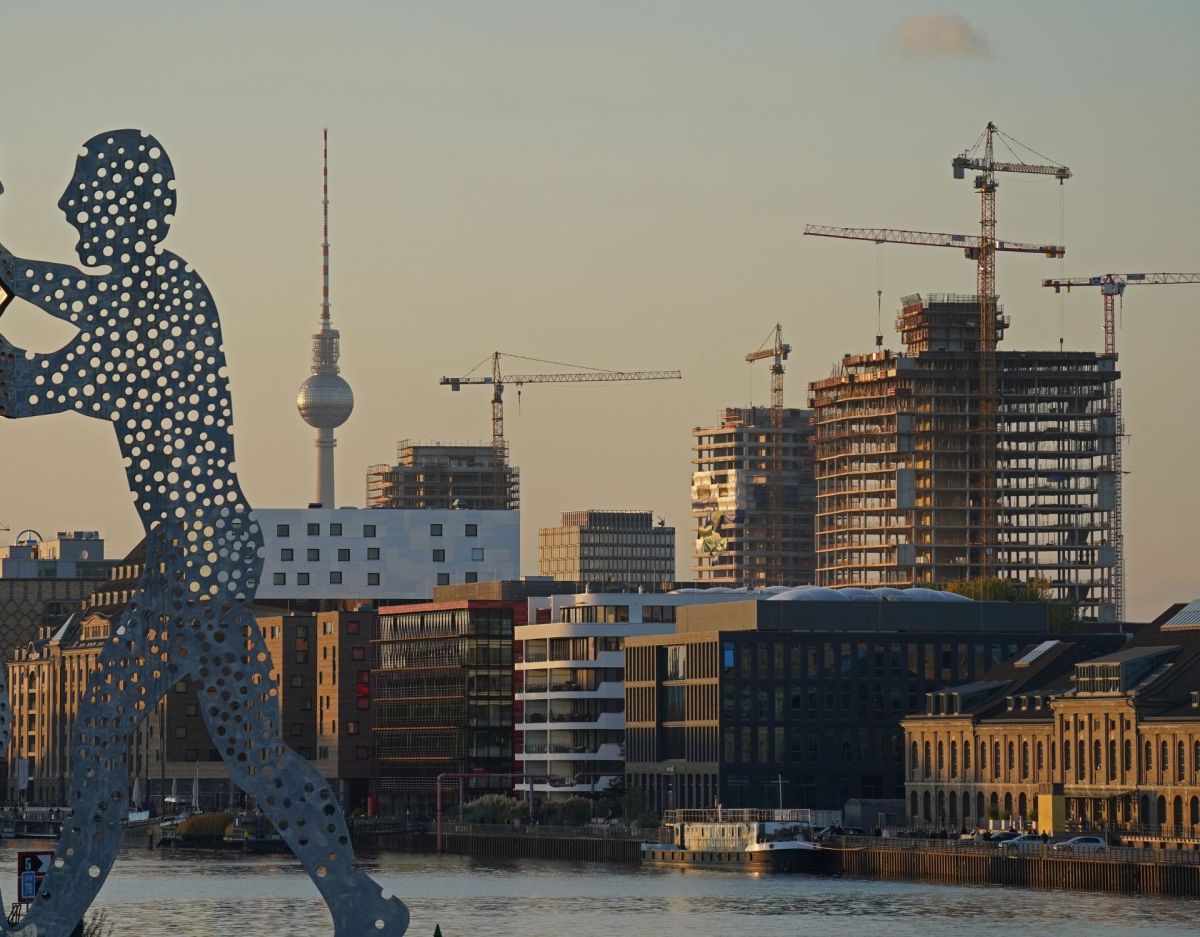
(980, 159)
(775, 349)
(982, 249)
(968, 243)
(1112, 286)
(498, 380)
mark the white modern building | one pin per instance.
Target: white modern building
(383, 555)
(570, 721)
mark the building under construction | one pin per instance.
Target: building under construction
(732, 478)
(434, 476)
(897, 463)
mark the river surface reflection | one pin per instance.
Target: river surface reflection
(186, 894)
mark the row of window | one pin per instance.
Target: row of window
(368, 530)
(439, 556)
(314, 530)
(313, 555)
(925, 765)
(304, 579)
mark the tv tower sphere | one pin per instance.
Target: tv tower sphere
(325, 400)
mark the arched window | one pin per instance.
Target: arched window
(928, 811)
(1096, 756)
(1081, 762)
(953, 808)
(979, 808)
(1181, 762)
(1053, 761)
(953, 763)
(1147, 760)
(1008, 806)
(1162, 810)
(1196, 758)
(983, 756)
(1012, 756)
(1163, 761)
(1066, 756)
(1194, 812)
(996, 759)
(1112, 759)
(914, 765)
(912, 806)
(1024, 761)
(966, 763)
(1022, 806)
(941, 765)
(1128, 756)
(927, 767)
(1041, 757)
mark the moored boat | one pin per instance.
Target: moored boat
(750, 840)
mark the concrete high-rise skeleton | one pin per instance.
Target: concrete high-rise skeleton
(325, 400)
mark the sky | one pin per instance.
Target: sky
(621, 184)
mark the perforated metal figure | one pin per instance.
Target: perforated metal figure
(148, 359)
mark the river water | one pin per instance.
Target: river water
(185, 894)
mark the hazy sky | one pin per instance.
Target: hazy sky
(621, 184)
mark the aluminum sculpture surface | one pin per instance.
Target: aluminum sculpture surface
(148, 359)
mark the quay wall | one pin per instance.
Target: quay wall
(1078, 873)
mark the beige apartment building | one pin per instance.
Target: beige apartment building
(321, 664)
(608, 548)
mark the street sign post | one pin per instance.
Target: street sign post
(32, 867)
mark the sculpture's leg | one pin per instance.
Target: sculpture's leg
(121, 691)
(245, 728)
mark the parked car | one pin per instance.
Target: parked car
(1024, 841)
(1002, 836)
(1081, 844)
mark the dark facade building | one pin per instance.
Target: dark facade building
(443, 698)
(806, 694)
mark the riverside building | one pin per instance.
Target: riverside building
(571, 682)
(443, 695)
(898, 483)
(805, 691)
(608, 548)
(322, 672)
(1069, 739)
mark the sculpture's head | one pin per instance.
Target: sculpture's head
(121, 198)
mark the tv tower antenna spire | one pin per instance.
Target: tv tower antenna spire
(325, 400)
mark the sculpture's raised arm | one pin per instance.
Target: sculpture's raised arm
(19, 368)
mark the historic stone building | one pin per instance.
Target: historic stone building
(321, 665)
(1109, 742)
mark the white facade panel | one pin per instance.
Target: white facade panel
(382, 553)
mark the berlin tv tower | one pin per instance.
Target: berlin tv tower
(325, 400)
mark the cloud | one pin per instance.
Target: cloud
(936, 37)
